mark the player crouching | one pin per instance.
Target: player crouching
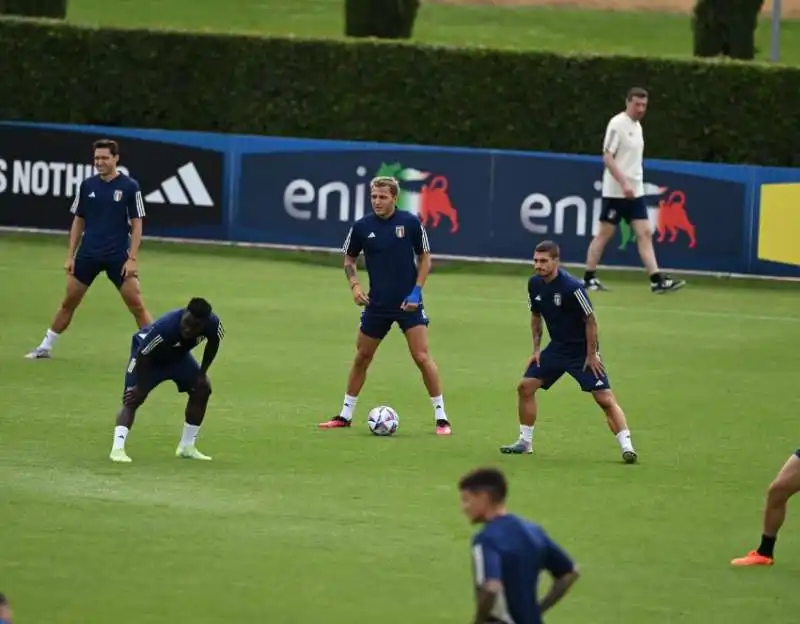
(162, 352)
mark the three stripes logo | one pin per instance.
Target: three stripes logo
(184, 189)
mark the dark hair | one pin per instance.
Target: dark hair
(636, 92)
(489, 480)
(109, 144)
(3, 599)
(199, 308)
(548, 247)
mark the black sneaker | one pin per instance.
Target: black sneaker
(667, 284)
(594, 285)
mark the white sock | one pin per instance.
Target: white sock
(120, 434)
(438, 408)
(49, 340)
(526, 433)
(624, 439)
(348, 407)
(189, 435)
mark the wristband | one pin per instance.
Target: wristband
(415, 296)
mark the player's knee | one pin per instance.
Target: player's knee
(421, 357)
(202, 391)
(363, 357)
(779, 490)
(526, 389)
(605, 399)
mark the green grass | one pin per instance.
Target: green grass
(290, 524)
(558, 30)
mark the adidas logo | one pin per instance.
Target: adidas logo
(172, 191)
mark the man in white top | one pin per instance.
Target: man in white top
(623, 194)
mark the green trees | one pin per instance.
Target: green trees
(385, 19)
(726, 28)
(34, 8)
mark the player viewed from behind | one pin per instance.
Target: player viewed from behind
(560, 299)
(162, 352)
(508, 555)
(785, 485)
(623, 194)
(398, 259)
(105, 236)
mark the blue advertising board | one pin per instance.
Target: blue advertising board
(474, 203)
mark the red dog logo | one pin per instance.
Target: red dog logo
(672, 218)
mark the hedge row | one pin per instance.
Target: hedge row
(394, 92)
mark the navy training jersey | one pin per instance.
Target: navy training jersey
(390, 247)
(107, 208)
(514, 551)
(564, 305)
(163, 341)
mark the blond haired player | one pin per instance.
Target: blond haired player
(398, 259)
(623, 194)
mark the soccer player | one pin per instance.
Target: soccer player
(398, 259)
(508, 555)
(559, 298)
(785, 485)
(162, 352)
(105, 236)
(5, 610)
(623, 194)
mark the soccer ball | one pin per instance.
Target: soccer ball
(383, 420)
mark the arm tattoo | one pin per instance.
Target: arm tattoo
(350, 271)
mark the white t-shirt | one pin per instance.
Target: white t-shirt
(625, 142)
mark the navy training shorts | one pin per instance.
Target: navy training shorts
(616, 209)
(85, 270)
(554, 362)
(183, 372)
(377, 323)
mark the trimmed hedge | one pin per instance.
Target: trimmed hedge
(393, 92)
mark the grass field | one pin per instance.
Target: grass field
(559, 30)
(291, 524)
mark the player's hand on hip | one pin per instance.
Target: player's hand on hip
(534, 359)
(359, 296)
(130, 268)
(594, 364)
(413, 301)
(69, 266)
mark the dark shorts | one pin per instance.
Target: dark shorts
(183, 372)
(86, 270)
(377, 323)
(553, 363)
(617, 209)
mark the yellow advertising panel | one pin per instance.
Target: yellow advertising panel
(779, 224)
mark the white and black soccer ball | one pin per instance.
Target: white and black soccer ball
(383, 420)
